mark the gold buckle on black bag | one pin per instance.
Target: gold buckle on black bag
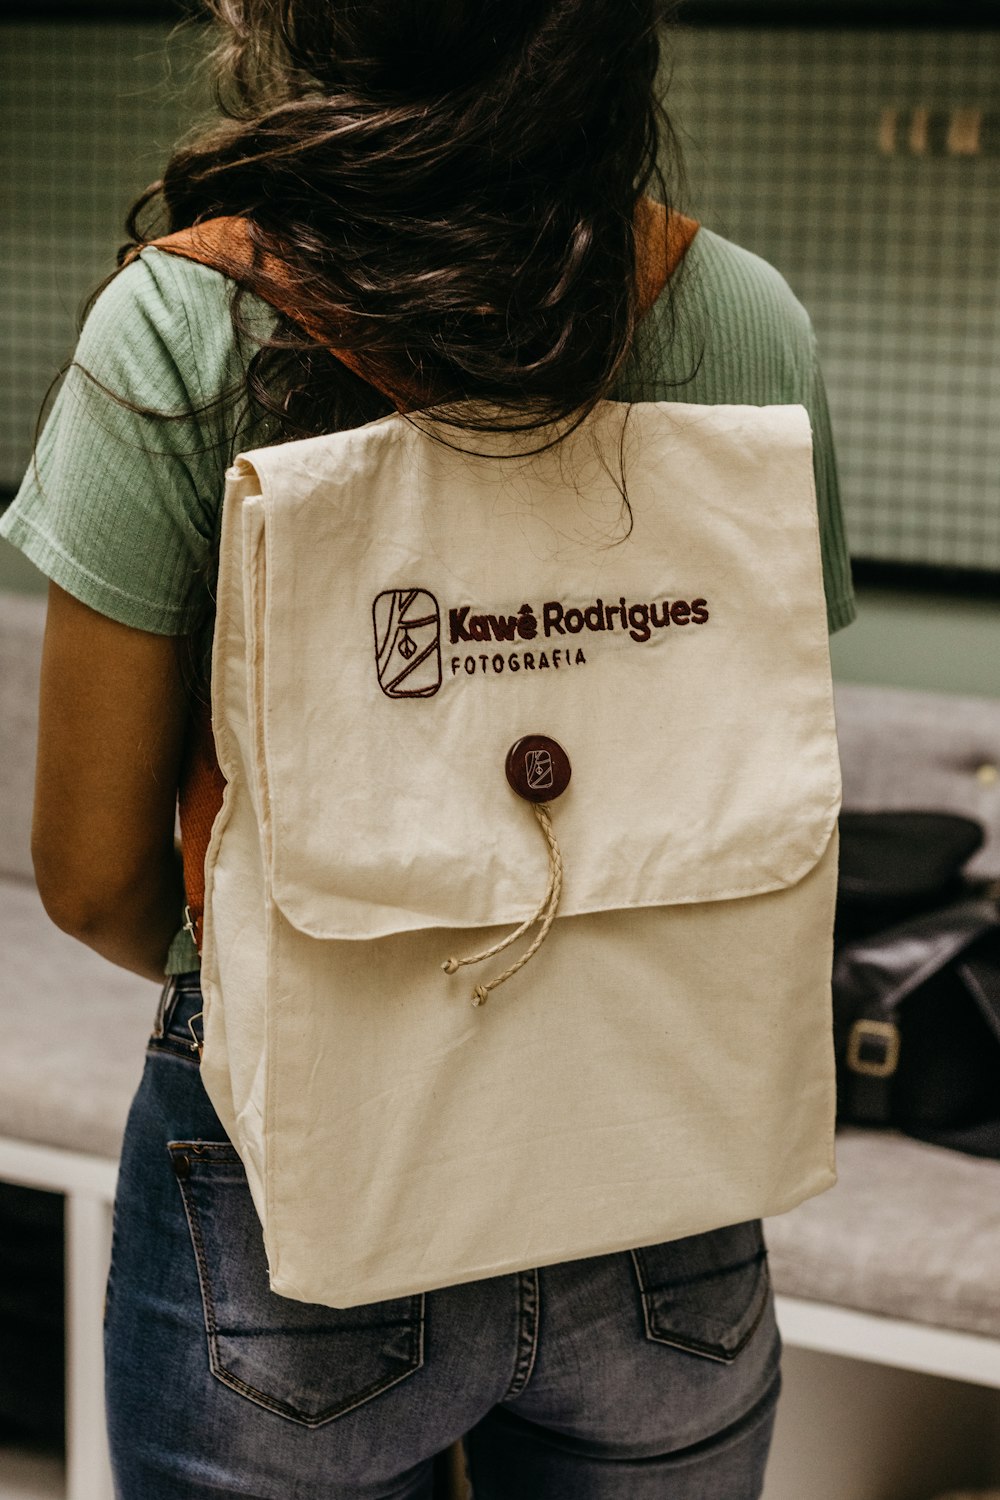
(884, 1036)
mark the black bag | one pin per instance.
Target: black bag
(916, 981)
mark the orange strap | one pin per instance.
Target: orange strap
(226, 245)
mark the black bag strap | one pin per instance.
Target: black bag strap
(874, 976)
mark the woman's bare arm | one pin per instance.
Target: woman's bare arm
(113, 711)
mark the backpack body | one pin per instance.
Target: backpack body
(394, 613)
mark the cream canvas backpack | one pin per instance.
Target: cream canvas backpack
(394, 615)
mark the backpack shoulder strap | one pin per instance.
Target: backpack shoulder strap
(663, 238)
(226, 244)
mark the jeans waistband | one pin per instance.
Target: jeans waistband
(179, 1012)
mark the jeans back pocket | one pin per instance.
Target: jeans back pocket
(707, 1293)
(303, 1361)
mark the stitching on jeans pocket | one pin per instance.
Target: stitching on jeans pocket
(705, 1294)
(174, 1047)
(300, 1360)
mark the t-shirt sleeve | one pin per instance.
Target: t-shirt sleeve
(840, 606)
(121, 502)
(793, 352)
(765, 334)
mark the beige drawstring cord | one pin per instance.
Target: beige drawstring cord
(546, 913)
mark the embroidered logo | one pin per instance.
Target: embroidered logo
(409, 625)
(407, 643)
(539, 770)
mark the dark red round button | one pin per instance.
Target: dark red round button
(538, 768)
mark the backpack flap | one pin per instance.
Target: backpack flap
(411, 610)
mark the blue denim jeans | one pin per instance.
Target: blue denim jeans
(647, 1373)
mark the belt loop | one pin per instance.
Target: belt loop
(165, 1009)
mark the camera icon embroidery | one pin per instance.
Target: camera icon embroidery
(407, 626)
(539, 770)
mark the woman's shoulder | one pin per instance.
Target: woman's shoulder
(724, 266)
(121, 503)
(739, 288)
(732, 329)
(164, 324)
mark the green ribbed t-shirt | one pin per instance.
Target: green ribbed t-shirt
(121, 506)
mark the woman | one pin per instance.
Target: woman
(452, 193)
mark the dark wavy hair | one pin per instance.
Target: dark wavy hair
(452, 187)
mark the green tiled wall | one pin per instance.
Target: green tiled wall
(87, 113)
(866, 166)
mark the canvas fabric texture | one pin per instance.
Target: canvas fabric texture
(664, 1064)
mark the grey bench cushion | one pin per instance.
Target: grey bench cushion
(901, 749)
(74, 1032)
(910, 1231)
